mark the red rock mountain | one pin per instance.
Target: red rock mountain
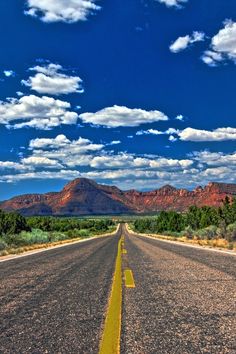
(86, 197)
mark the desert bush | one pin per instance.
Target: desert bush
(231, 232)
(188, 232)
(3, 245)
(83, 233)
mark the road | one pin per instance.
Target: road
(55, 301)
(184, 299)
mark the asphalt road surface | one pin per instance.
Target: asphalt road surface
(184, 300)
(55, 301)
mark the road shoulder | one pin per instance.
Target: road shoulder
(51, 246)
(180, 243)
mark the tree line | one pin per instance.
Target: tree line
(214, 221)
(17, 230)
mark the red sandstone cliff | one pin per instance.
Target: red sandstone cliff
(86, 197)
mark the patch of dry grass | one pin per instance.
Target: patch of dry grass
(217, 243)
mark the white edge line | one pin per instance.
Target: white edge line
(30, 253)
(203, 248)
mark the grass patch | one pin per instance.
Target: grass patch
(38, 239)
(220, 243)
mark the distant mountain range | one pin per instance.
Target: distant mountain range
(86, 197)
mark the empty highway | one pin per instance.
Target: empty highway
(175, 299)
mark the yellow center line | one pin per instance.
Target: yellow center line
(110, 343)
(124, 251)
(129, 279)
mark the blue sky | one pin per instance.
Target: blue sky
(137, 95)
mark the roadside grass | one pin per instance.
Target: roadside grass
(220, 243)
(38, 239)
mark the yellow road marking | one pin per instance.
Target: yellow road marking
(129, 279)
(124, 251)
(110, 343)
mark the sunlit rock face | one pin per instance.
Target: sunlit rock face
(86, 197)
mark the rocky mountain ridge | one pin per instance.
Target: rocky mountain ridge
(86, 197)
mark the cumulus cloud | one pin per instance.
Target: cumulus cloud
(9, 73)
(83, 152)
(120, 116)
(36, 112)
(39, 161)
(19, 93)
(214, 158)
(42, 143)
(197, 135)
(80, 145)
(172, 138)
(10, 165)
(149, 131)
(170, 3)
(114, 142)
(50, 160)
(44, 175)
(169, 131)
(67, 152)
(68, 11)
(50, 80)
(182, 43)
(223, 45)
(180, 117)
(212, 58)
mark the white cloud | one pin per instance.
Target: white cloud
(180, 117)
(169, 131)
(83, 152)
(212, 58)
(223, 45)
(69, 11)
(182, 43)
(71, 153)
(170, 3)
(39, 161)
(215, 158)
(149, 131)
(9, 165)
(123, 169)
(50, 80)
(120, 116)
(197, 135)
(115, 142)
(41, 143)
(36, 112)
(80, 145)
(44, 175)
(172, 138)
(19, 93)
(9, 73)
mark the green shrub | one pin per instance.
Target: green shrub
(231, 232)
(12, 223)
(83, 233)
(3, 245)
(188, 232)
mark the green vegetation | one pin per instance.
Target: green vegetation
(206, 223)
(17, 231)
